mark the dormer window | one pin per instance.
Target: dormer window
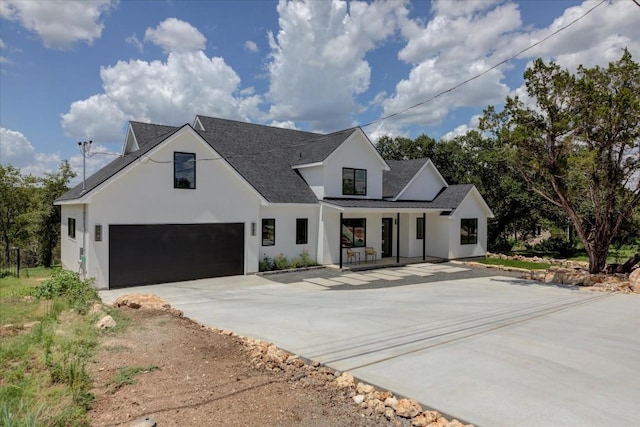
(184, 170)
(354, 182)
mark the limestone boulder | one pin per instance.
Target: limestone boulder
(408, 408)
(345, 380)
(634, 280)
(106, 322)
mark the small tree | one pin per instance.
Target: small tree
(577, 147)
(16, 204)
(53, 186)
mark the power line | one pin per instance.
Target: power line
(451, 89)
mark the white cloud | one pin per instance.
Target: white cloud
(317, 64)
(170, 92)
(59, 23)
(251, 46)
(463, 129)
(16, 150)
(455, 45)
(288, 124)
(174, 35)
(2, 44)
(135, 42)
(596, 39)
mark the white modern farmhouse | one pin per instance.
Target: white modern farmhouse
(214, 198)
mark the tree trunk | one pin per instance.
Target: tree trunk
(597, 258)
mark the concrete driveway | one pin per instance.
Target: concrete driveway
(493, 351)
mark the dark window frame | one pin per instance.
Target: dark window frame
(469, 231)
(302, 231)
(178, 181)
(352, 189)
(71, 227)
(266, 222)
(350, 228)
(420, 228)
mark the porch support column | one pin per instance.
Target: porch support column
(424, 236)
(340, 239)
(398, 238)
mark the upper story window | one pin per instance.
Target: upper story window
(184, 170)
(354, 182)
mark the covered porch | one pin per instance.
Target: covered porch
(365, 234)
(388, 262)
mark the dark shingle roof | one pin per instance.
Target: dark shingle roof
(399, 175)
(263, 155)
(146, 132)
(121, 162)
(319, 148)
(449, 199)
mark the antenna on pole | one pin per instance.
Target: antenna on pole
(85, 147)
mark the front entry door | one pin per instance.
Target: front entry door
(387, 237)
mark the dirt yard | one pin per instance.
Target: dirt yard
(180, 373)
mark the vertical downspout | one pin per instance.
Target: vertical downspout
(83, 255)
(424, 236)
(340, 239)
(398, 238)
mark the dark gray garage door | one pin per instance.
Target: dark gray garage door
(160, 253)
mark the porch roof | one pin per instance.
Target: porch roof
(448, 199)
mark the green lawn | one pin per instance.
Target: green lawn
(516, 264)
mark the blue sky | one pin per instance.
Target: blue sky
(79, 70)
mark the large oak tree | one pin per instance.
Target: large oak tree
(576, 142)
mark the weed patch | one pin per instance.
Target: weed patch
(127, 375)
(516, 264)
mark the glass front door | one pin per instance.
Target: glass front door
(387, 237)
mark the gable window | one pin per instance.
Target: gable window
(268, 232)
(71, 227)
(420, 228)
(354, 182)
(354, 232)
(469, 231)
(302, 227)
(184, 170)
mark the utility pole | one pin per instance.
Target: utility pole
(85, 146)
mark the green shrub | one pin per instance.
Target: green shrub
(555, 245)
(281, 262)
(266, 264)
(68, 284)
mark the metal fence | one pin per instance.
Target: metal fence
(11, 266)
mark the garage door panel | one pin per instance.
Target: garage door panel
(160, 253)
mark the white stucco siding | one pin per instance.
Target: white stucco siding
(470, 208)
(438, 230)
(314, 177)
(410, 245)
(70, 246)
(358, 153)
(144, 194)
(425, 185)
(285, 236)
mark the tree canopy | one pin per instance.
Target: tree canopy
(576, 143)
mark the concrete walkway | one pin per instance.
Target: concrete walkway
(493, 351)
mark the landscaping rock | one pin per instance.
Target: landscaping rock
(408, 408)
(391, 402)
(106, 322)
(363, 388)
(345, 380)
(358, 398)
(143, 422)
(634, 280)
(148, 301)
